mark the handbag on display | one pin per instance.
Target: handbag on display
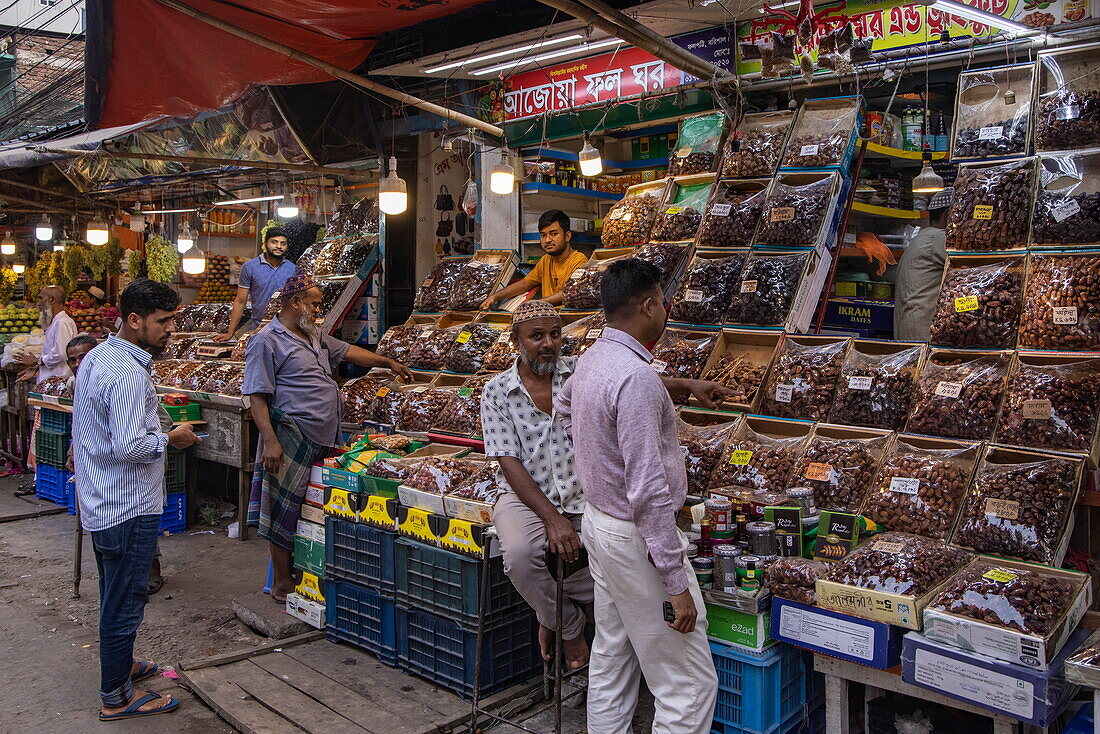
(443, 229)
(444, 202)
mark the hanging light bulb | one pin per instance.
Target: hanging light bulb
(286, 211)
(591, 162)
(7, 245)
(927, 181)
(59, 247)
(193, 262)
(393, 195)
(186, 239)
(97, 233)
(44, 230)
(502, 178)
(19, 268)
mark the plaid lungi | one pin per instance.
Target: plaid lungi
(275, 503)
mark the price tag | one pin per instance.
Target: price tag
(465, 392)
(576, 274)
(781, 214)
(1065, 315)
(503, 338)
(617, 214)
(966, 303)
(593, 334)
(819, 472)
(904, 485)
(850, 238)
(748, 286)
(949, 389)
(740, 458)
(1000, 575)
(684, 152)
(1036, 409)
(994, 132)
(691, 296)
(427, 334)
(659, 365)
(1067, 112)
(420, 388)
(983, 211)
(463, 337)
(382, 392)
(1065, 210)
(888, 546)
(674, 210)
(428, 281)
(859, 382)
(808, 150)
(721, 210)
(783, 393)
(1002, 509)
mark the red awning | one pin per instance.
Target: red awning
(146, 60)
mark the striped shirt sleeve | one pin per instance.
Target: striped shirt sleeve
(130, 441)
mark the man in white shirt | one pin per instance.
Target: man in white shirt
(60, 329)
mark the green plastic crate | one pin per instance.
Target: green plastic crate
(175, 470)
(51, 448)
(189, 412)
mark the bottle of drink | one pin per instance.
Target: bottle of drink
(942, 138)
(704, 539)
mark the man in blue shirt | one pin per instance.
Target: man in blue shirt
(118, 450)
(260, 277)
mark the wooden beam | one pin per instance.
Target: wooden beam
(251, 652)
(39, 189)
(336, 71)
(41, 206)
(269, 165)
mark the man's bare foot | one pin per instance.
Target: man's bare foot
(164, 701)
(546, 642)
(576, 652)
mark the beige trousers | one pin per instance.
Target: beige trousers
(523, 544)
(633, 639)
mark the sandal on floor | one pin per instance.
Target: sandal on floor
(145, 670)
(155, 584)
(132, 711)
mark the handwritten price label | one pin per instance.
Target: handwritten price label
(382, 392)
(993, 132)
(674, 210)
(1065, 315)
(691, 296)
(809, 150)
(1003, 509)
(999, 575)
(740, 458)
(463, 337)
(721, 210)
(1036, 409)
(783, 393)
(748, 286)
(782, 214)
(1065, 210)
(966, 303)
(904, 485)
(859, 382)
(819, 472)
(659, 365)
(593, 334)
(983, 211)
(949, 389)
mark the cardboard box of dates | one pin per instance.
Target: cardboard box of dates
(1069, 85)
(629, 221)
(1067, 199)
(779, 288)
(802, 210)
(581, 291)
(824, 134)
(740, 361)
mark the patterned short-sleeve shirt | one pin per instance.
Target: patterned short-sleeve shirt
(512, 425)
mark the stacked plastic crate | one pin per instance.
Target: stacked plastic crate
(51, 450)
(359, 587)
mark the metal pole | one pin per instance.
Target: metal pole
(78, 552)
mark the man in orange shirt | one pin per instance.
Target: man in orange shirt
(553, 268)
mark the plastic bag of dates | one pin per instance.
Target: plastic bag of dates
(225, 379)
(422, 406)
(822, 133)
(398, 341)
(706, 289)
(1067, 205)
(1083, 666)
(877, 390)
(920, 489)
(354, 255)
(979, 306)
(767, 290)
(991, 209)
(1051, 406)
(483, 486)
(471, 343)
(582, 287)
(357, 396)
(803, 379)
(1020, 599)
(401, 469)
(680, 220)
(475, 282)
(327, 260)
(462, 415)
(631, 219)
(795, 578)
(431, 350)
(732, 214)
(1061, 303)
(435, 292)
(1019, 510)
(960, 395)
(309, 258)
(899, 563)
(186, 317)
(794, 211)
(839, 470)
(755, 461)
(1068, 114)
(173, 373)
(198, 377)
(740, 372)
(501, 355)
(699, 141)
(579, 335)
(702, 447)
(682, 353)
(993, 112)
(667, 256)
(755, 147)
(441, 474)
(387, 404)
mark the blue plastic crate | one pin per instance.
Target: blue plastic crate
(759, 694)
(72, 499)
(56, 421)
(174, 519)
(448, 583)
(443, 651)
(51, 483)
(359, 553)
(361, 616)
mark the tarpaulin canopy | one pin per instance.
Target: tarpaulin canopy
(146, 60)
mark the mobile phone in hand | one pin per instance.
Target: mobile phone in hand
(670, 613)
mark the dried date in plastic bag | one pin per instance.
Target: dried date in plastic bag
(1068, 113)
(899, 563)
(1019, 510)
(483, 486)
(698, 143)
(822, 132)
(578, 336)
(682, 354)
(960, 396)
(582, 287)
(803, 379)
(702, 447)
(327, 260)
(877, 390)
(357, 397)
(475, 282)
(1061, 303)
(331, 290)
(1019, 599)
(732, 215)
(309, 258)
(991, 122)
(398, 341)
(754, 149)
(979, 306)
(755, 461)
(387, 404)
(991, 209)
(354, 255)
(225, 379)
(1051, 406)
(667, 256)
(471, 344)
(441, 474)
(1083, 666)
(431, 350)
(794, 212)
(795, 578)
(1067, 205)
(435, 292)
(919, 489)
(680, 220)
(198, 377)
(421, 407)
(706, 289)
(177, 372)
(401, 469)
(462, 414)
(839, 470)
(631, 219)
(767, 290)
(739, 372)
(501, 355)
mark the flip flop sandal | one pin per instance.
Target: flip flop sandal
(145, 670)
(132, 711)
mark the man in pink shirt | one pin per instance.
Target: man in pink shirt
(631, 468)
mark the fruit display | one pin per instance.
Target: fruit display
(17, 320)
(87, 319)
(215, 292)
(217, 269)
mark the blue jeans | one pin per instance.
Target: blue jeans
(122, 554)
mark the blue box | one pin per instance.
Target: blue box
(1023, 693)
(874, 644)
(860, 315)
(174, 519)
(52, 483)
(361, 616)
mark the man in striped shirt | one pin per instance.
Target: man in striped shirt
(119, 451)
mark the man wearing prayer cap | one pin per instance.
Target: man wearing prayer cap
(296, 406)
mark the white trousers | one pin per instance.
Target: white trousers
(633, 639)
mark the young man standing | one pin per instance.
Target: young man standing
(119, 449)
(631, 468)
(260, 278)
(553, 268)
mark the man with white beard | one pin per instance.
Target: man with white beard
(60, 329)
(296, 406)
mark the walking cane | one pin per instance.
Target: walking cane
(77, 552)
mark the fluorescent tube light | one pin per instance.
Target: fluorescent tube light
(168, 211)
(230, 202)
(962, 10)
(498, 54)
(552, 55)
